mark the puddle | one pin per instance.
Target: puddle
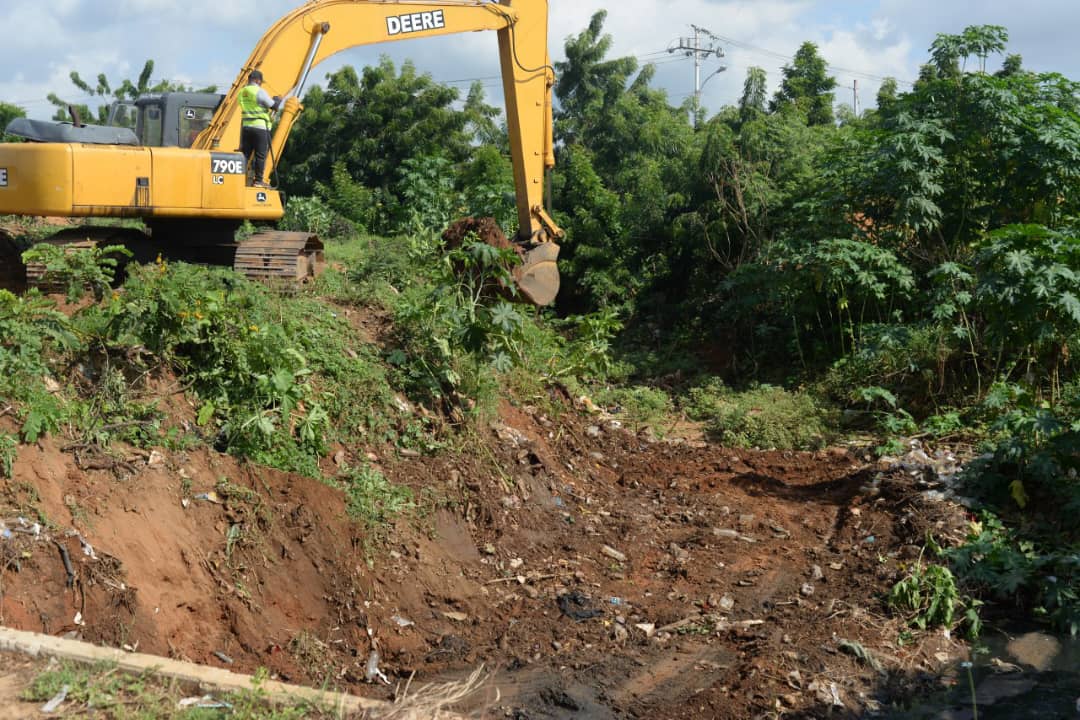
(1028, 675)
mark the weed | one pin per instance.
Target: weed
(927, 594)
(764, 416)
(101, 691)
(638, 406)
(78, 268)
(9, 447)
(313, 655)
(373, 499)
(999, 563)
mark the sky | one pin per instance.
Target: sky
(205, 42)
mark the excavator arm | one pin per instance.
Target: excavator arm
(319, 29)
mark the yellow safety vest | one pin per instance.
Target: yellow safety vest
(254, 114)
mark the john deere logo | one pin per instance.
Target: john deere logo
(415, 22)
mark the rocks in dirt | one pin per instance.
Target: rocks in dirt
(648, 628)
(613, 553)
(940, 471)
(725, 603)
(680, 555)
(456, 616)
(593, 431)
(817, 573)
(826, 693)
(403, 406)
(509, 435)
(583, 402)
(806, 590)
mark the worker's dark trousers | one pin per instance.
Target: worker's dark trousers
(254, 143)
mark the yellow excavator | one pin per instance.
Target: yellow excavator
(172, 159)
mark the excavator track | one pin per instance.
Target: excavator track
(12, 270)
(292, 257)
(36, 275)
(283, 259)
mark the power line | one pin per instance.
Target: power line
(693, 47)
(750, 47)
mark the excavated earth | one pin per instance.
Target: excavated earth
(591, 572)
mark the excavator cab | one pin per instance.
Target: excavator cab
(167, 119)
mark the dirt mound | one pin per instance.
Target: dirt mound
(486, 229)
(598, 573)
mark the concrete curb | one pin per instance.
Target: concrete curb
(37, 645)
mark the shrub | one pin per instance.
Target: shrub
(638, 406)
(763, 416)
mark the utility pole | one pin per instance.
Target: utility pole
(692, 47)
(855, 95)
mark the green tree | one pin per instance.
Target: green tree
(625, 149)
(886, 95)
(372, 123)
(8, 113)
(808, 86)
(587, 82)
(127, 90)
(752, 102)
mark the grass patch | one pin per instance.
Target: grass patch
(372, 499)
(765, 417)
(102, 691)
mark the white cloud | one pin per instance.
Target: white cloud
(207, 41)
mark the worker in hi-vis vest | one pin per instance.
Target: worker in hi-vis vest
(255, 105)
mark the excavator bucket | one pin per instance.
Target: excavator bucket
(538, 275)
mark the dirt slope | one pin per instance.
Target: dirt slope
(596, 574)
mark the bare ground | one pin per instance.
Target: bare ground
(695, 581)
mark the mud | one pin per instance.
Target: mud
(723, 582)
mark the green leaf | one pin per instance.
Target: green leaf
(206, 413)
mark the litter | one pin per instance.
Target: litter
(372, 671)
(575, 606)
(223, 657)
(209, 497)
(66, 559)
(58, 699)
(87, 548)
(205, 702)
(402, 622)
